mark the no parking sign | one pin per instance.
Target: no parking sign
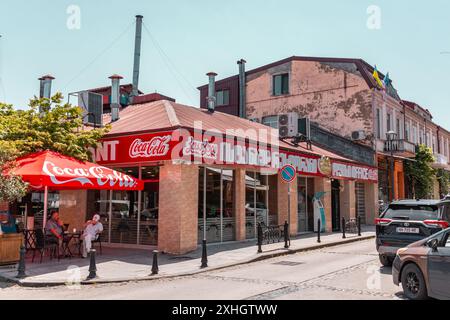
(288, 173)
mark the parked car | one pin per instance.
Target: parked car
(423, 268)
(405, 222)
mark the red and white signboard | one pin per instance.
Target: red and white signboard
(198, 148)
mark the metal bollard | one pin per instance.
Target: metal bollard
(343, 228)
(92, 266)
(359, 226)
(260, 236)
(318, 230)
(21, 268)
(286, 235)
(204, 255)
(155, 268)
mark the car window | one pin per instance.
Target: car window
(411, 212)
(445, 211)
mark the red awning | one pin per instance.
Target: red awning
(56, 171)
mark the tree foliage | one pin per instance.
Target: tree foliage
(421, 173)
(58, 128)
(443, 176)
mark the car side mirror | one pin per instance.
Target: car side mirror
(433, 244)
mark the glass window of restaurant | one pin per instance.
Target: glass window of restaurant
(216, 193)
(30, 209)
(256, 196)
(305, 209)
(133, 215)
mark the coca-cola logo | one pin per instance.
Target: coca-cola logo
(203, 149)
(101, 175)
(155, 147)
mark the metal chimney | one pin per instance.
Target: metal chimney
(45, 90)
(137, 56)
(242, 94)
(115, 96)
(211, 91)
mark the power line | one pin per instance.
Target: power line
(170, 66)
(100, 54)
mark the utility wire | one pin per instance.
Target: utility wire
(100, 54)
(170, 66)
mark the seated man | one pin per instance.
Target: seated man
(54, 228)
(92, 229)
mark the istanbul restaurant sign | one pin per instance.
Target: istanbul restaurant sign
(188, 147)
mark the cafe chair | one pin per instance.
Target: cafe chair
(42, 244)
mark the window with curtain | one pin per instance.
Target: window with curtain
(280, 84)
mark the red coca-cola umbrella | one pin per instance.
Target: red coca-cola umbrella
(50, 170)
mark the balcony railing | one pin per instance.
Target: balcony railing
(440, 161)
(399, 145)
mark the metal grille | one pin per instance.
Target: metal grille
(360, 201)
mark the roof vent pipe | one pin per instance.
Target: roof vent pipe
(211, 91)
(137, 56)
(242, 94)
(115, 96)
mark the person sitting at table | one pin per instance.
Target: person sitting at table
(54, 228)
(92, 229)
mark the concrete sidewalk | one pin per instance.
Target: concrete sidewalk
(121, 265)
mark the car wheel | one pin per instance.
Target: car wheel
(413, 283)
(385, 260)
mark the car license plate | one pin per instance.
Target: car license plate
(407, 230)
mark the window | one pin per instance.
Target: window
(378, 124)
(407, 129)
(223, 97)
(388, 122)
(271, 121)
(280, 84)
(399, 132)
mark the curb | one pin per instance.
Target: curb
(264, 256)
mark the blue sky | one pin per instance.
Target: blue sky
(198, 36)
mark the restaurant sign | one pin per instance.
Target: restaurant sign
(182, 145)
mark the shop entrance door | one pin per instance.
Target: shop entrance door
(335, 206)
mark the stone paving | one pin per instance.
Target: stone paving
(120, 265)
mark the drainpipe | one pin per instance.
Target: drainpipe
(242, 93)
(115, 96)
(211, 91)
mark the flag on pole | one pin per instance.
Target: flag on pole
(377, 77)
(387, 81)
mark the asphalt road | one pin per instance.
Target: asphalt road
(349, 271)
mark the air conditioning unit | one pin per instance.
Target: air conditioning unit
(358, 135)
(92, 105)
(288, 125)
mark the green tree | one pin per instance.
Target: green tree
(421, 173)
(11, 186)
(443, 176)
(58, 128)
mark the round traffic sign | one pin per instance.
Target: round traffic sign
(288, 173)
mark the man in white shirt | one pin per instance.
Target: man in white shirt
(92, 229)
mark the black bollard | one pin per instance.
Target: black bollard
(21, 268)
(92, 266)
(260, 236)
(155, 268)
(359, 226)
(286, 235)
(318, 230)
(204, 255)
(343, 228)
